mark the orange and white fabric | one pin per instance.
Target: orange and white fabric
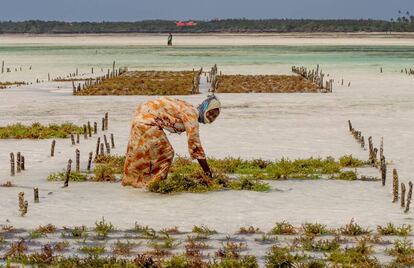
(149, 153)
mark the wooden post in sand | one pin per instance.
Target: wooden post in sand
(36, 194)
(108, 150)
(18, 167)
(52, 149)
(402, 198)
(22, 163)
(95, 128)
(77, 160)
(85, 132)
(77, 138)
(90, 161)
(409, 196)
(89, 129)
(106, 121)
(98, 142)
(112, 141)
(370, 148)
(102, 149)
(68, 170)
(103, 124)
(350, 126)
(395, 185)
(374, 158)
(23, 205)
(12, 172)
(383, 171)
(2, 66)
(72, 138)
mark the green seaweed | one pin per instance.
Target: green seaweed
(74, 176)
(38, 131)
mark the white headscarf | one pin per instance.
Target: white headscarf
(207, 105)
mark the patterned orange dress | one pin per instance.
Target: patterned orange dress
(149, 153)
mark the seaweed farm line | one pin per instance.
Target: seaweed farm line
(267, 126)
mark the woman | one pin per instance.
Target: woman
(149, 153)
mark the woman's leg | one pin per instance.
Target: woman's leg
(138, 159)
(162, 155)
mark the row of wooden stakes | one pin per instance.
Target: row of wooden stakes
(409, 71)
(24, 204)
(381, 164)
(315, 76)
(97, 81)
(18, 165)
(87, 129)
(100, 151)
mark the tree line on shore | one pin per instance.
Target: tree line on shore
(405, 24)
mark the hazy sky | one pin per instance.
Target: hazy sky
(134, 10)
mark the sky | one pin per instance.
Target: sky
(136, 10)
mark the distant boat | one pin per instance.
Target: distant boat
(185, 23)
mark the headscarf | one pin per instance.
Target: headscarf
(208, 104)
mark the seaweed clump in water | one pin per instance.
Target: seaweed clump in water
(38, 131)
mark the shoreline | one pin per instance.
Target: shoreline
(211, 39)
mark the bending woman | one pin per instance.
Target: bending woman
(149, 153)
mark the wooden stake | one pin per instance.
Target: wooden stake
(106, 121)
(89, 129)
(98, 142)
(68, 170)
(52, 149)
(383, 171)
(95, 128)
(102, 149)
(22, 163)
(108, 150)
(77, 160)
(402, 198)
(90, 161)
(85, 132)
(77, 138)
(409, 196)
(350, 125)
(112, 140)
(382, 147)
(103, 124)
(18, 157)
(23, 205)
(72, 138)
(395, 185)
(36, 194)
(12, 170)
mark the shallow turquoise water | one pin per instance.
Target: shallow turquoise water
(62, 59)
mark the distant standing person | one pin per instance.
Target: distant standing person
(170, 37)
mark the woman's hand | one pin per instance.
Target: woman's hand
(204, 165)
